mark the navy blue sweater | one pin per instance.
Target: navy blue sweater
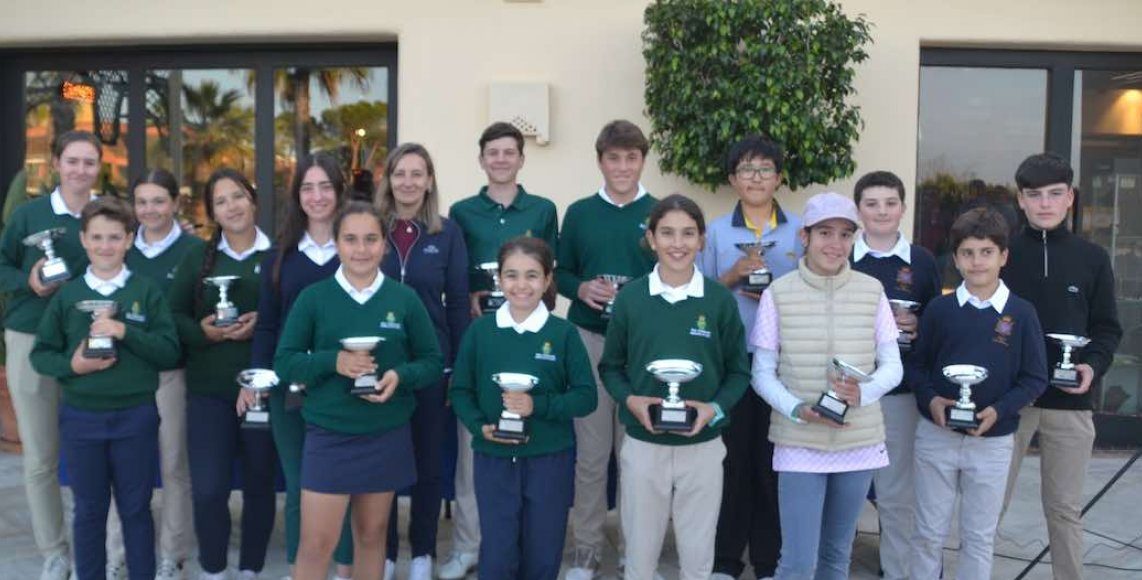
(918, 281)
(437, 269)
(274, 304)
(1009, 345)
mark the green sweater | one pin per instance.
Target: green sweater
(487, 225)
(310, 341)
(211, 367)
(555, 355)
(24, 308)
(705, 330)
(162, 267)
(149, 344)
(600, 238)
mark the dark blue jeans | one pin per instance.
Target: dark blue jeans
(214, 441)
(105, 452)
(428, 424)
(523, 504)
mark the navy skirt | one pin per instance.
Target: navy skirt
(339, 463)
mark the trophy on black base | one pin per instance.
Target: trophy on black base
(904, 339)
(98, 346)
(617, 282)
(1065, 374)
(491, 301)
(831, 406)
(225, 312)
(260, 381)
(512, 426)
(365, 384)
(673, 415)
(759, 279)
(961, 415)
(54, 269)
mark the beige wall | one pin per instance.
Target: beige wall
(588, 50)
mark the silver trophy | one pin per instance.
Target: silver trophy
(365, 384)
(830, 405)
(1065, 374)
(491, 301)
(673, 414)
(617, 282)
(98, 346)
(904, 339)
(961, 415)
(759, 279)
(225, 312)
(512, 426)
(260, 381)
(54, 269)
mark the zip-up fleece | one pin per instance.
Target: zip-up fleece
(436, 268)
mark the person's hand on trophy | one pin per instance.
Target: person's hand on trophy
(806, 413)
(1086, 377)
(741, 271)
(490, 435)
(596, 293)
(847, 388)
(213, 333)
(705, 415)
(82, 365)
(354, 363)
(519, 403)
(34, 282)
(938, 409)
(243, 330)
(907, 322)
(639, 406)
(105, 325)
(987, 419)
(386, 387)
(246, 399)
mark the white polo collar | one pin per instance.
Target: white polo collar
(997, 301)
(360, 296)
(152, 250)
(60, 208)
(107, 287)
(695, 288)
(607, 198)
(261, 244)
(902, 249)
(533, 323)
(319, 254)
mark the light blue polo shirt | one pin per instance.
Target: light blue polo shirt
(720, 253)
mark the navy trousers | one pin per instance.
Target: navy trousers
(214, 440)
(428, 424)
(111, 452)
(523, 504)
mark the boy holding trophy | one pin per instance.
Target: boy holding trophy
(986, 335)
(1070, 282)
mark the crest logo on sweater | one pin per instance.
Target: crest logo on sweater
(135, 314)
(431, 249)
(1004, 328)
(904, 279)
(545, 352)
(390, 322)
(529, 234)
(645, 223)
(699, 328)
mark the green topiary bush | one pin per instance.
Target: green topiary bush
(717, 70)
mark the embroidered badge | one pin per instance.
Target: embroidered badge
(699, 328)
(1003, 330)
(545, 352)
(390, 322)
(1073, 289)
(136, 313)
(904, 279)
(645, 223)
(257, 268)
(528, 234)
(431, 249)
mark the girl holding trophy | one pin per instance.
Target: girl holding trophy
(213, 297)
(521, 377)
(358, 447)
(306, 253)
(678, 327)
(824, 470)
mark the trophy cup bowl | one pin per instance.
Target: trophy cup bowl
(225, 312)
(365, 384)
(830, 405)
(904, 339)
(54, 269)
(491, 301)
(673, 415)
(759, 279)
(98, 346)
(512, 426)
(961, 415)
(617, 282)
(1064, 374)
(260, 381)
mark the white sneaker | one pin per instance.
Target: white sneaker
(116, 570)
(421, 568)
(721, 576)
(390, 569)
(168, 569)
(56, 567)
(247, 575)
(215, 576)
(622, 569)
(458, 565)
(580, 574)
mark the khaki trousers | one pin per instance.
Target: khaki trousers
(665, 482)
(466, 517)
(1066, 439)
(36, 400)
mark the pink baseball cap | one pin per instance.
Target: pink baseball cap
(827, 206)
